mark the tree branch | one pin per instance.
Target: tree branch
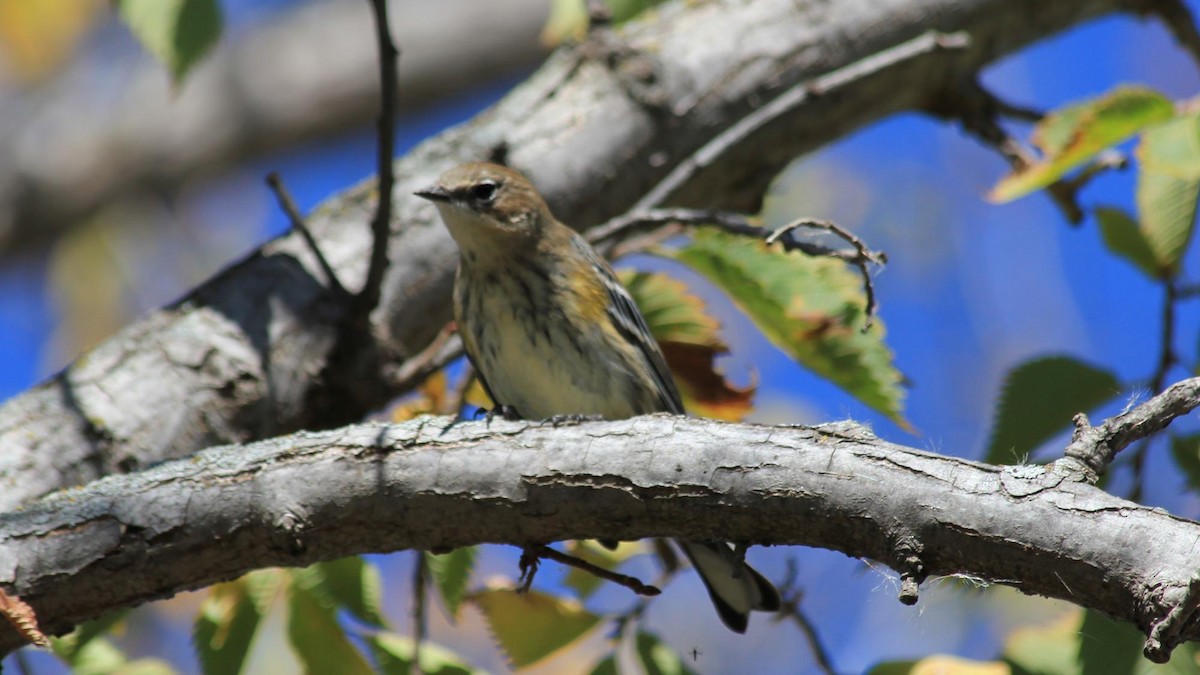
(242, 349)
(432, 483)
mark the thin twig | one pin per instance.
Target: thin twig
(1095, 447)
(627, 581)
(788, 101)
(790, 597)
(419, 615)
(979, 110)
(604, 236)
(445, 348)
(368, 298)
(275, 182)
(1166, 360)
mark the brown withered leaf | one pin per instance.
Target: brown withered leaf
(23, 618)
(704, 388)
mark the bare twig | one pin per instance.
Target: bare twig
(787, 101)
(624, 226)
(368, 298)
(445, 348)
(979, 110)
(275, 182)
(791, 596)
(535, 552)
(1181, 22)
(1166, 360)
(419, 616)
(1095, 447)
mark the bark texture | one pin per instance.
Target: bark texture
(435, 484)
(595, 128)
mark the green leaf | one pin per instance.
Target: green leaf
(606, 666)
(531, 626)
(1072, 136)
(394, 655)
(69, 646)
(1167, 188)
(1186, 450)
(1173, 148)
(811, 308)
(1046, 650)
(317, 638)
(97, 657)
(1107, 646)
(451, 572)
(177, 32)
(1039, 399)
(349, 583)
(1123, 237)
(657, 658)
(225, 627)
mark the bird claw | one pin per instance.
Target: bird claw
(505, 412)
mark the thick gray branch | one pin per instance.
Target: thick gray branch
(240, 358)
(75, 144)
(433, 484)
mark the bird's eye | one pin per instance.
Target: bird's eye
(484, 191)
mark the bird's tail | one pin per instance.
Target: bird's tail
(736, 588)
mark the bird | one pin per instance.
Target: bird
(553, 334)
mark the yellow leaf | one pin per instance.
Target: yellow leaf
(533, 625)
(37, 36)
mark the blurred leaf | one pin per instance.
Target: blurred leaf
(451, 572)
(1072, 136)
(940, 664)
(1173, 148)
(1039, 399)
(531, 626)
(690, 343)
(1186, 450)
(1123, 237)
(569, 19)
(1108, 646)
(67, 646)
(356, 586)
(606, 666)
(583, 583)
(177, 32)
(812, 308)
(96, 657)
(1167, 188)
(657, 658)
(317, 638)
(394, 655)
(225, 627)
(1046, 649)
(37, 36)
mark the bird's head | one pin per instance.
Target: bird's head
(488, 204)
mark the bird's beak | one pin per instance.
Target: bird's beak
(434, 193)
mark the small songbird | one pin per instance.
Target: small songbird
(551, 333)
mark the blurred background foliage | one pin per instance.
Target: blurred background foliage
(126, 180)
